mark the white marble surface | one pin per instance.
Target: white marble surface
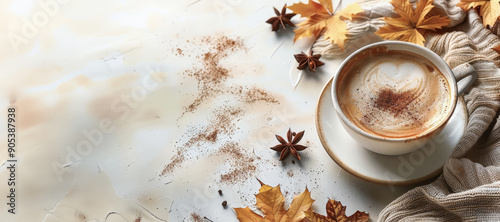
(69, 68)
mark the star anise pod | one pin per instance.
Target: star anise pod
(281, 19)
(291, 146)
(308, 60)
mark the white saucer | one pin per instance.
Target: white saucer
(414, 167)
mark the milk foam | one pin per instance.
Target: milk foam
(394, 95)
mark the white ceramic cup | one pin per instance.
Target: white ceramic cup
(397, 146)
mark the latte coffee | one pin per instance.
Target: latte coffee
(394, 94)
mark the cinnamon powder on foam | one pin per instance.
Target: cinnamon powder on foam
(212, 79)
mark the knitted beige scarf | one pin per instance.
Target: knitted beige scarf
(469, 188)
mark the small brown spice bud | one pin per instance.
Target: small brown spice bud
(224, 204)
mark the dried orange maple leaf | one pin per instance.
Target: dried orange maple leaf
(321, 20)
(489, 10)
(411, 25)
(271, 202)
(336, 213)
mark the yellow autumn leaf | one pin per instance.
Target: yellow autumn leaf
(271, 202)
(327, 4)
(336, 26)
(412, 24)
(320, 20)
(468, 4)
(300, 203)
(264, 187)
(489, 10)
(312, 27)
(247, 215)
(306, 10)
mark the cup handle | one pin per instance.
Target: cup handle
(461, 72)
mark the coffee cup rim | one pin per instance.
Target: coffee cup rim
(435, 59)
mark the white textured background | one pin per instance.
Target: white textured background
(63, 64)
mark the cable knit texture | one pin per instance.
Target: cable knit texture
(469, 187)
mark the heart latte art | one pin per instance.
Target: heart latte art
(394, 94)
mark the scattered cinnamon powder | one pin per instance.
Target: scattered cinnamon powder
(179, 52)
(196, 218)
(241, 161)
(238, 174)
(223, 43)
(176, 161)
(289, 173)
(212, 70)
(223, 123)
(212, 74)
(255, 94)
(212, 137)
